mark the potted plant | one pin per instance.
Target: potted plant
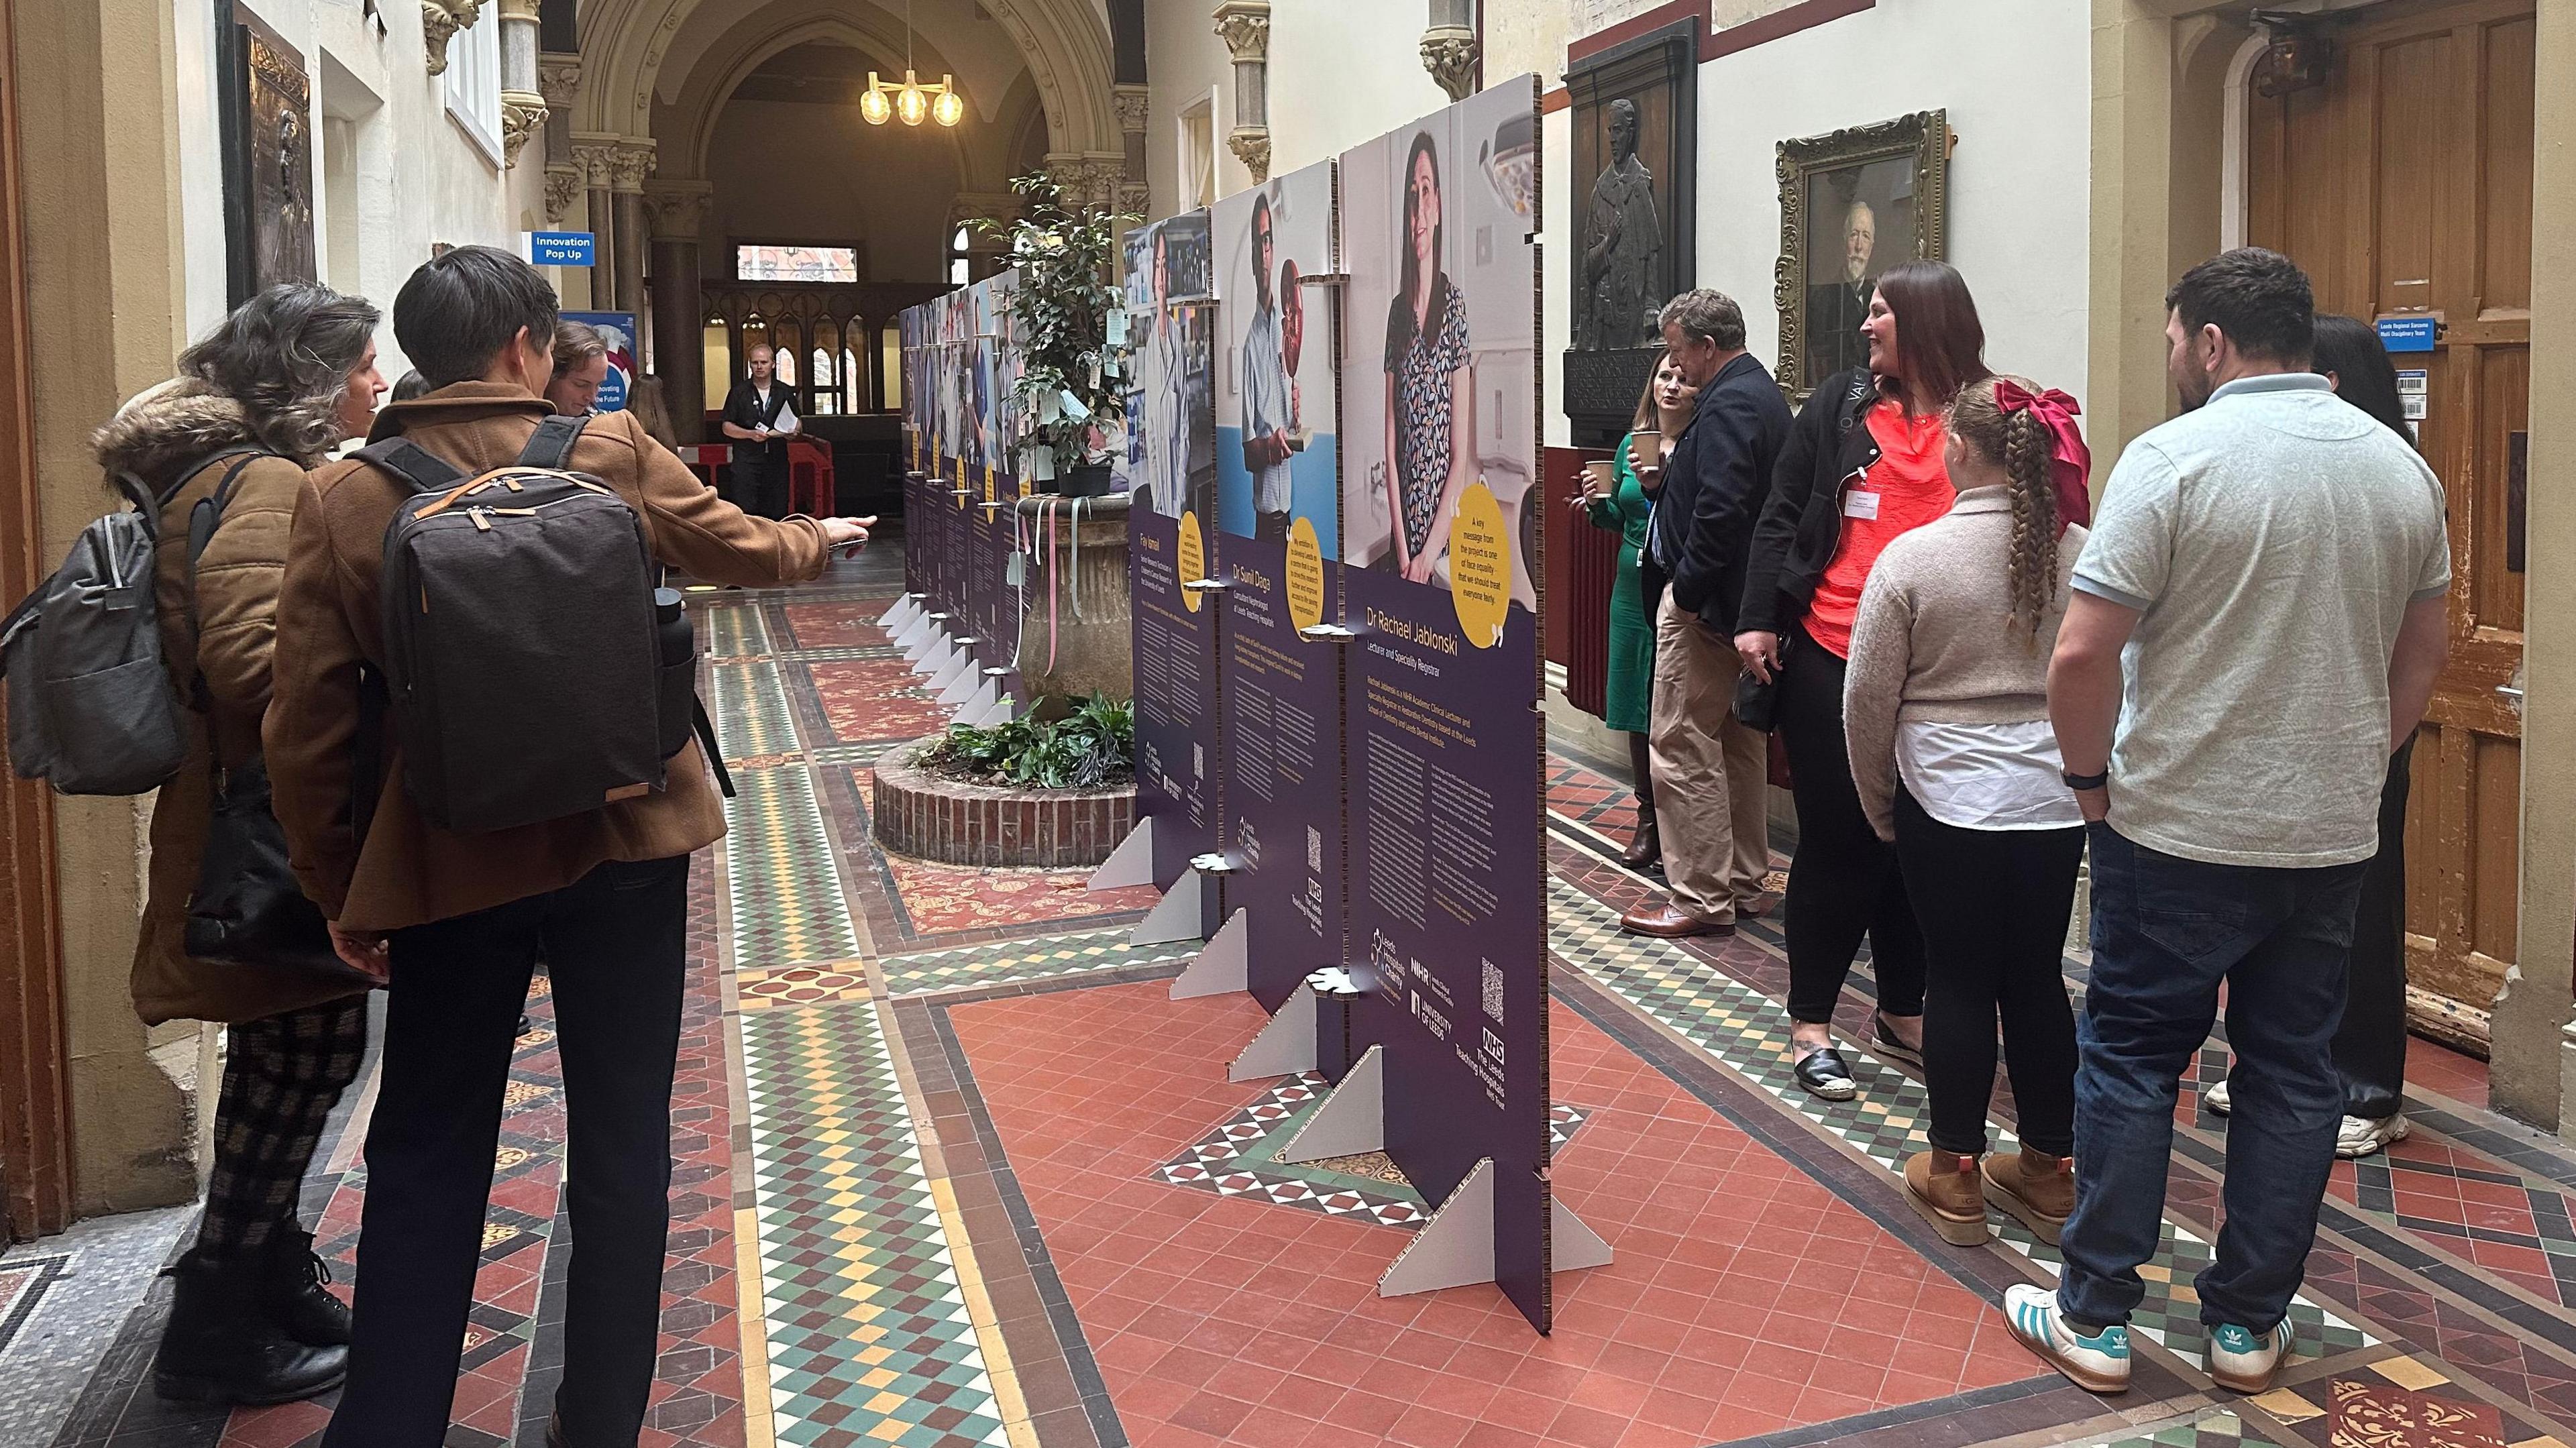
(1072, 374)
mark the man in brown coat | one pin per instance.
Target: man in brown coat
(458, 921)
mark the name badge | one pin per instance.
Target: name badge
(1860, 505)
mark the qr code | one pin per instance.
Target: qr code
(1494, 992)
(1314, 848)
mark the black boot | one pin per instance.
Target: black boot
(221, 1347)
(291, 1278)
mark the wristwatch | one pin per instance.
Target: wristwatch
(2083, 782)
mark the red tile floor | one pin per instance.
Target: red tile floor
(1220, 1319)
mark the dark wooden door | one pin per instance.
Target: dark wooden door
(2403, 186)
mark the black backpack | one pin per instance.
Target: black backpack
(534, 668)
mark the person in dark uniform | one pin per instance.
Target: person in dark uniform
(759, 420)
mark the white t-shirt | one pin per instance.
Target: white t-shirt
(2271, 542)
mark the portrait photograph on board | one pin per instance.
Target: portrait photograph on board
(1438, 391)
(1171, 434)
(1275, 424)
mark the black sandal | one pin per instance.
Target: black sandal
(1885, 1042)
(1824, 1072)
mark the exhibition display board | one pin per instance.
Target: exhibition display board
(960, 487)
(1332, 442)
(1278, 507)
(1169, 467)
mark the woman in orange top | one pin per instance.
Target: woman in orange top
(1862, 467)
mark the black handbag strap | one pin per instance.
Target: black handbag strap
(706, 732)
(367, 751)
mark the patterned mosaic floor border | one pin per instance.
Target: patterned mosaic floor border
(1741, 1028)
(787, 901)
(1011, 962)
(1243, 1157)
(869, 1339)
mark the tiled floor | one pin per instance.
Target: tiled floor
(954, 1169)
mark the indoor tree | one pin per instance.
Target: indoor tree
(1068, 261)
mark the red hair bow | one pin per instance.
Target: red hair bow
(2070, 460)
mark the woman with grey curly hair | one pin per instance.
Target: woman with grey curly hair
(265, 395)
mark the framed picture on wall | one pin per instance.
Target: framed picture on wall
(1853, 204)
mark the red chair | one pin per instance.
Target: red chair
(810, 487)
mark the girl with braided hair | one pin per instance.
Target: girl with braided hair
(1945, 712)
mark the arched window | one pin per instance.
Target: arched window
(786, 343)
(715, 347)
(958, 262)
(890, 366)
(854, 383)
(827, 375)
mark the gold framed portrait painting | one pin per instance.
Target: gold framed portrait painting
(1853, 204)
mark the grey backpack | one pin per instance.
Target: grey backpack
(531, 672)
(90, 709)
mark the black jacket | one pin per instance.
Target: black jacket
(1713, 483)
(1802, 523)
(743, 409)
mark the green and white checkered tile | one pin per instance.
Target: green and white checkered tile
(867, 753)
(735, 630)
(1005, 962)
(749, 707)
(1744, 1028)
(787, 901)
(868, 1332)
(839, 652)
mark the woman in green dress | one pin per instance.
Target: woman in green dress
(1637, 587)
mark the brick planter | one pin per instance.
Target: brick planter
(918, 813)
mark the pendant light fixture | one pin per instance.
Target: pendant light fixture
(911, 102)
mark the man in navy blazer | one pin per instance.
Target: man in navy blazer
(1711, 774)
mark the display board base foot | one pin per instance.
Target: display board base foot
(1221, 968)
(1456, 1247)
(1177, 918)
(1001, 709)
(955, 682)
(1285, 1047)
(907, 634)
(903, 612)
(923, 653)
(1132, 863)
(1351, 1120)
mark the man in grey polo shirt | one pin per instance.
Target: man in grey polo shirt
(2258, 618)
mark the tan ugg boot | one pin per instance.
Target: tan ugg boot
(2038, 1189)
(1943, 1187)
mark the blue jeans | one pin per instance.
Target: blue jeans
(2166, 931)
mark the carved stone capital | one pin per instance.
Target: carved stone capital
(594, 156)
(1245, 27)
(558, 78)
(520, 10)
(523, 115)
(629, 163)
(1449, 53)
(680, 208)
(1251, 146)
(563, 187)
(1088, 180)
(1131, 104)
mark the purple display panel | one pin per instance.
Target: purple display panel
(1278, 505)
(1171, 467)
(1448, 914)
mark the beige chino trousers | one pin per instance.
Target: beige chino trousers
(1712, 774)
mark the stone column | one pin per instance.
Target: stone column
(594, 157)
(558, 85)
(1245, 25)
(631, 164)
(1135, 191)
(680, 210)
(523, 106)
(1449, 49)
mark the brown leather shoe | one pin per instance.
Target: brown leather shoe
(1668, 921)
(1942, 1186)
(2040, 1190)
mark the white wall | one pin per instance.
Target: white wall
(1343, 74)
(418, 178)
(2014, 77)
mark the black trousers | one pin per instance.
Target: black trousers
(615, 949)
(1844, 881)
(1271, 527)
(1994, 906)
(2370, 1046)
(759, 483)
